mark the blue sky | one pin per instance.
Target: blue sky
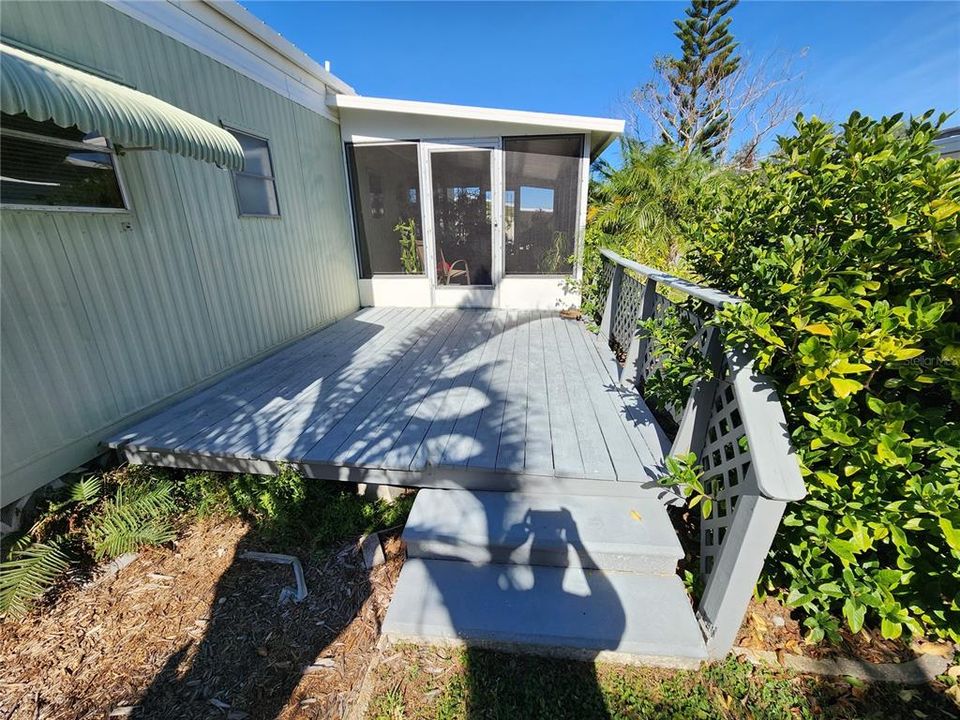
(584, 58)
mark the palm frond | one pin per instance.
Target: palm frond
(28, 574)
(86, 490)
(135, 517)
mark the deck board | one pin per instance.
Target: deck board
(454, 402)
(384, 393)
(180, 422)
(487, 438)
(538, 451)
(378, 445)
(244, 420)
(593, 448)
(444, 397)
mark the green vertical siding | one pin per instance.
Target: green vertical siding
(101, 323)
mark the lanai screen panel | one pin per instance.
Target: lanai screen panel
(540, 203)
(385, 183)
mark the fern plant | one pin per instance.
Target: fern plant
(135, 517)
(86, 491)
(28, 573)
(138, 514)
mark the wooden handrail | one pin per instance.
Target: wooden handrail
(717, 298)
(734, 423)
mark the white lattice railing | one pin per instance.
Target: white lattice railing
(734, 423)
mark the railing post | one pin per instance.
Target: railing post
(734, 575)
(638, 343)
(693, 424)
(613, 300)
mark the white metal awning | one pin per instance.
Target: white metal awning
(48, 90)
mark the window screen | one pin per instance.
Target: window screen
(45, 165)
(255, 185)
(385, 189)
(542, 179)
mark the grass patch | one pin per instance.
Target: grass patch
(480, 684)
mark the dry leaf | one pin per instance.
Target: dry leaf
(954, 672)
(759, 623)
(931, 648)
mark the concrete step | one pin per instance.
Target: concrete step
(552, 530)
(569, 612)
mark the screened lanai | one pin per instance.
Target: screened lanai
(459, 206)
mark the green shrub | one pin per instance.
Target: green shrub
(290, 510)
(847, 248)
(679, 362)
(264, 498)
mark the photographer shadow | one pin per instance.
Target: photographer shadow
(542, 594)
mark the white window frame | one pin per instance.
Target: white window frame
(86, 147)
(272, 177)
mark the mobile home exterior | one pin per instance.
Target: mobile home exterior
(107, 314)
(181, 271)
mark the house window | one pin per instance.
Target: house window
(541, 185)
(255, 186)
(385, 190)
(47, 166)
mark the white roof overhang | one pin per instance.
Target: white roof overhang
(369, 118)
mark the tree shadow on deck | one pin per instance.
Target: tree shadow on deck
(435, 406)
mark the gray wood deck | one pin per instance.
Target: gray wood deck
(480, 399)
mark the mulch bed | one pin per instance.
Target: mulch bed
(192, 631)
(769, 625)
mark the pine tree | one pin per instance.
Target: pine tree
(697, 118)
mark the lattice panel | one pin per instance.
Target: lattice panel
(725, 460)
(651, 361)
(624, 323)
(603, 281)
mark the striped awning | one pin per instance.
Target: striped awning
(47, 90)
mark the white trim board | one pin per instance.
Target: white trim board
(382, 118)
(229, 34)
(395, 291)
(512, 293)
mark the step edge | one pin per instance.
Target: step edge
(667, 549)
(612, 657)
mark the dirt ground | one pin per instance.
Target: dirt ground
(192, 631)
